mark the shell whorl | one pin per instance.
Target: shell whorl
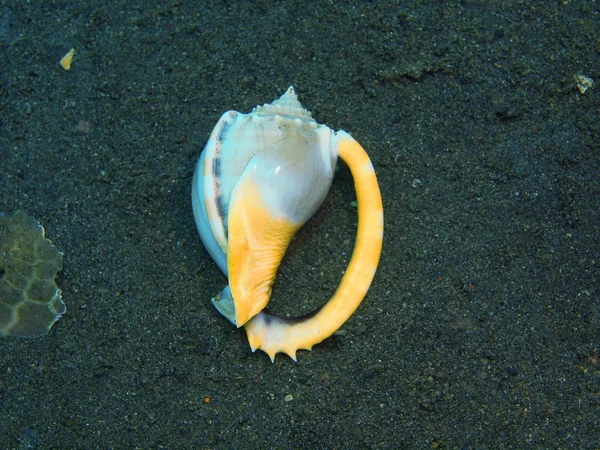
(287, 105)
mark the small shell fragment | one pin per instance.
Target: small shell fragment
(66, 60)
(583, 83)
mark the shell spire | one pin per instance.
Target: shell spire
(286, 105)
(289, 99)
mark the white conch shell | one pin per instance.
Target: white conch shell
(260, 177)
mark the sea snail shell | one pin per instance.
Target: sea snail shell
(260, 177)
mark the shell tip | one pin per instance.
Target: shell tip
(289, 98)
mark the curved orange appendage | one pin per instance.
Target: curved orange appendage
(274, 334)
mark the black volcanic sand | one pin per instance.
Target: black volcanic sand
(482, 326)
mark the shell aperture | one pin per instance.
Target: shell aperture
(260, 177)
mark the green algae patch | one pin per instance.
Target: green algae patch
(30, 300)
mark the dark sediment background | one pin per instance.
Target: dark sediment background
(482, 327)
